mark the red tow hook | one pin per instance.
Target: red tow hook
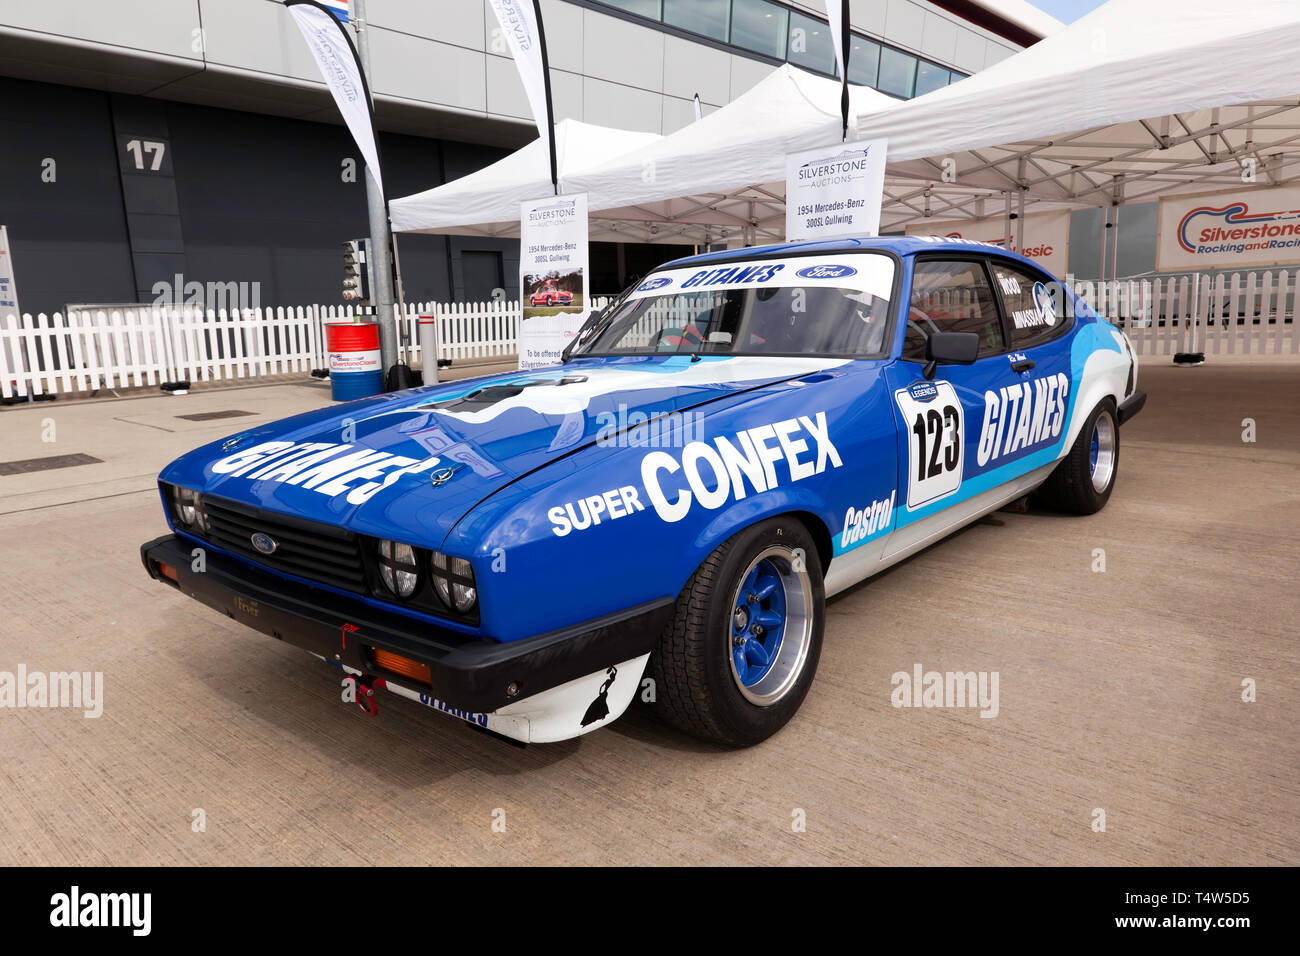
(363, 692)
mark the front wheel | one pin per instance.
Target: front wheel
(741, 651)
(1085, 477)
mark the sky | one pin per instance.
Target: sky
(1067, 11)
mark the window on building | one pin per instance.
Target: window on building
(646, 8)
(864, 61)
(930, 76)
(706, 17)
(759, 26)
(950, 296)
(897, 73)
(810, 44)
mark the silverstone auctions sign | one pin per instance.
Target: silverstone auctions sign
(1247, 227)
(1047, 236)
(552, 276)
(835, 191)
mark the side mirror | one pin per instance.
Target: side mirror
(950, 348)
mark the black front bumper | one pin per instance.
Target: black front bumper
(467, 673)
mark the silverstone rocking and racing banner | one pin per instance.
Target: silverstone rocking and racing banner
(1245, 227)
(835, 191)
(1047, 236)
(553, 276)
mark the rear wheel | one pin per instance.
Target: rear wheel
(741, 651)
(1085, 477)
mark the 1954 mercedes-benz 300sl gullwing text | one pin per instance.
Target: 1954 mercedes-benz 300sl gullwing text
(732, 441)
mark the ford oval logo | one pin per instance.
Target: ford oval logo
(658, 283)
(827, 272)
(264, 543)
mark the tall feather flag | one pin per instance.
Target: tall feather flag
(521, 25)
(837, 13)
(340, 66)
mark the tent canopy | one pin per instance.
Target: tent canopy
(1137, 99)
(486, 202)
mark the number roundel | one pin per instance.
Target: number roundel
(935, 442)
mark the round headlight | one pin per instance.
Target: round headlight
(463, 595)
(397, 568)
(185, 501)
(441, 583)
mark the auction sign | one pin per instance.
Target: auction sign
(835, 191)
(552, 276)
(1246, 227)
(1047, 236)
(8, 290)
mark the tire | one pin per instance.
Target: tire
(1082, 483)
(700, 687)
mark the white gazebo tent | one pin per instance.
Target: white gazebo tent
(723, 173)
(486, 202)
(1138, 99)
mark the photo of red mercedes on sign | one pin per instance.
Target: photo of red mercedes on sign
(549, 293)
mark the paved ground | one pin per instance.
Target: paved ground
(1118, 690)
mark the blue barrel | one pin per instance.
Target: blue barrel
(355, 368)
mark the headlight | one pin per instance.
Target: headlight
(398, 569)
(187, 509)
(453, 580)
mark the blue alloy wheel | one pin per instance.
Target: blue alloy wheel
(771, 625)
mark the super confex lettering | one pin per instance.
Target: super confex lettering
(716, 473)
(1022, 415)
(323, 467)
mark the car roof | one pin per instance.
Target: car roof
(900, 245)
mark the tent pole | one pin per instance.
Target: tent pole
(1114, 248)
(1020, 221)
(1006, 221)
(1101, 258)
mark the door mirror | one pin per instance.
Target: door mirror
(950, 348)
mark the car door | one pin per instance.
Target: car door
(940, 421)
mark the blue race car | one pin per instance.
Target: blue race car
(734, 440)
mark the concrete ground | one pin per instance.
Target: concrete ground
(1120, 690)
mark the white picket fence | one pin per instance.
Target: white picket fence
(1251, 314)
(127, 348)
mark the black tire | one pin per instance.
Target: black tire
(695, 687)
(1070, 487)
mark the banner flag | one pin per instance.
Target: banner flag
(553, 276)
(521, 24)
(837, 13)
(340, 67)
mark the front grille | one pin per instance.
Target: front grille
(317, 552)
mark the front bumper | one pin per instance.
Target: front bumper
(474, 675)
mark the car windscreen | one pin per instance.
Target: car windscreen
(801, 306)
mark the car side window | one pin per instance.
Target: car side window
(950, 296)
(1038, 308)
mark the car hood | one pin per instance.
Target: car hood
(410, 464)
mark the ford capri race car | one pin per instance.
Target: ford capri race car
(735, 439)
